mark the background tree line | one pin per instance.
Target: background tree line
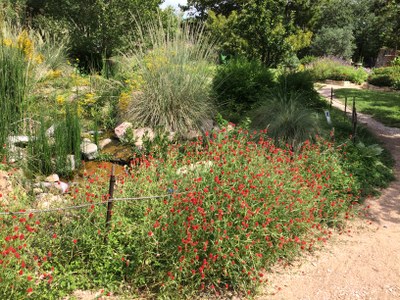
(271, 31)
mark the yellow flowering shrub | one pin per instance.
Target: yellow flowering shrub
(53, 74)
(123, 102)
(25, 43)
(78, 80)
(60, 100)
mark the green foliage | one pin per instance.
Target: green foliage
(169, 86)
(308, 59)
(285, 115)
(48, 156)
(97, 29)
(14, 68)
(261, 30)
(301, 82)
(334, 69)
(383, 106)
(386, 76)
(396, 62)
(13, 11)
(365, 159)
(238, 85)
(335, 41)
(228, 225)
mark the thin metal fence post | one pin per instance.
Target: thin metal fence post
(354, 120)
(109, 203)
(345, 107)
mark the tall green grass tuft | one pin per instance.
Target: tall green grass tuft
(52, 154)
(287, 118)
(13, 86)
(25, 58)
(168, 74)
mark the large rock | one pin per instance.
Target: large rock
(5, 186)
(52, 178)
(200, 166)
(104, 143)
(18, 139)
(121, 129)
(191, 134)
(89, 149)
(59, 186)
(47, 200)
(16, 153)
(50, 131)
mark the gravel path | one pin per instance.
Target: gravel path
(364, 262)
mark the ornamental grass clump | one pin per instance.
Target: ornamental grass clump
(287, 117)
(168, 75)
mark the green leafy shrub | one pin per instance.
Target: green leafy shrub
(301, 82)
(386, 76)
(336, 69)
(238, 85)
(169, 82)
(308, 59)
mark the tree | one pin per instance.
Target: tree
(96, 27)
(262, 30)
(203, 7)
(389, 17)
(334, 41)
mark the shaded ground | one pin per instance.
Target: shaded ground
(363, 263)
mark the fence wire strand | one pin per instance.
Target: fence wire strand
(38, 211)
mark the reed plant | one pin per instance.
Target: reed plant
(169, 72)
(287, 118)
(51, 154)
(13, 86)
(26, 56)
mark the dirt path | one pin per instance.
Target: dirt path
(364, 263)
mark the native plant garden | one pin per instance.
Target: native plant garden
(225, 164)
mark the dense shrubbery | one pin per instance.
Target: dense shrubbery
(329, 68)
(301, 82)
(240, 205)
(386, 76)
(238, 85)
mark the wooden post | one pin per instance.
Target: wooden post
(354, 120)
(109, 203)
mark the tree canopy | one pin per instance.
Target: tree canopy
(269, 31)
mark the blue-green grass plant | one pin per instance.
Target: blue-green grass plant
(171, 68)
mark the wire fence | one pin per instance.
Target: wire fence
(74, 207)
